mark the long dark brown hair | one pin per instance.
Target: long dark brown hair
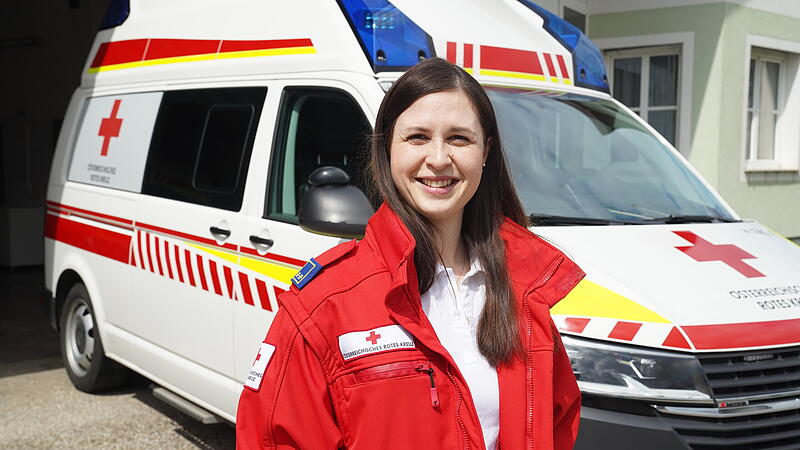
(495, 198)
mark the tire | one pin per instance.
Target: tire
(81, 348)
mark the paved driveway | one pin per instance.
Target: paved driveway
(39, 407)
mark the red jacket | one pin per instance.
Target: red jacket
(343, 374)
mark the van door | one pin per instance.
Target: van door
(316, 125)
(189, 230)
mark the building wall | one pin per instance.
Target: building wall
(719, 71)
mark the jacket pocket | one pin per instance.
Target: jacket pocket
(400, 369)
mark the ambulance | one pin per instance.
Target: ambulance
(212, 148)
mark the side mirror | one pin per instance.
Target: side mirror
(332, 206)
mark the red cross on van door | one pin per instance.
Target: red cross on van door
(703, 251)
(109, 127)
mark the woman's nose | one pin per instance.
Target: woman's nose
(438, 155)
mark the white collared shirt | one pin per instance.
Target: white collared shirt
(455, 320)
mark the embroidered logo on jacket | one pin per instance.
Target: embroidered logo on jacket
(381, 339)
(256, 374)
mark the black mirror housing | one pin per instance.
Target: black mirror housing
(332, 206)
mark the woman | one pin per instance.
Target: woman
(433, 332)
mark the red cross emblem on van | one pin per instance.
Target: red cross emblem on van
(733, 256)
(109, 127)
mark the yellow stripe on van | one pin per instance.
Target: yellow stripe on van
(179, 59)
(222, 254)
(507, 74)
(274, 270)
(127, 65)
(592, 300)
(268, 52)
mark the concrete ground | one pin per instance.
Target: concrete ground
(39, 407)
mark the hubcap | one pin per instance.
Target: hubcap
(79, 336)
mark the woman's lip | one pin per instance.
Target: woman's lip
(437, 190)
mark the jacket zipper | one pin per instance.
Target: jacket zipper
(426, 368)
(458, 409)
(400, 369)
(529, 362)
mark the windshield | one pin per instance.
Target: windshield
(582, 157)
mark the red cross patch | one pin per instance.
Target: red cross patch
(733, 256)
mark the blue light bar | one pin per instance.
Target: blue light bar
(391, 41)
(588, 65)
(117, 12)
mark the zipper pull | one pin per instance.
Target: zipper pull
(426, 368)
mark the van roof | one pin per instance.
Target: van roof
(503, 41)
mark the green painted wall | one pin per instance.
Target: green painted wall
(719, 67)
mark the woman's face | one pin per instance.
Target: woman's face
(436, 155)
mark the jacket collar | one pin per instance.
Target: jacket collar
(528, 258)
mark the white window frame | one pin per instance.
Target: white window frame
(787, 132)
(645, 53)
(685, 40)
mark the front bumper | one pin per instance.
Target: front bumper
(603, 429)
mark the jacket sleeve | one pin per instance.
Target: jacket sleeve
(566, 401)
(292, 407)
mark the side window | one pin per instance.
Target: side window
(201, 145)
(316, 127)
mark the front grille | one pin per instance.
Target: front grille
(751, 378)
(730, 375)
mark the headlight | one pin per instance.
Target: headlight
(630, 372)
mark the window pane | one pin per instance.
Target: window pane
(318, 128)
(664, 80)
(222, 149)
(628, 80)
(752, 80)
(575, 18)
(188, 119)
(749, 134)
(769, 86)
(766, 135)
(664, 123)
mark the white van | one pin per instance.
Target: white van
(176, 212)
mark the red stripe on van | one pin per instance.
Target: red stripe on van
(675, 339)
(262, 294)
(177, 254)
(574, 324)
(551, 68)
(244, 281)
(139, 247)
(240, 46)
(468, 55)
(509, 59)
(740, 335)
(167, 259)
(278, 291)
(201, 273)
(89, 214)
(93, 239)
(170, 48)
(189, 271)
(212, 266)
(147, 249)
(182, 235)
(625, 331)
(119, 52)
(158, 255)
(451, 52)
(229, 282)
(563, 66)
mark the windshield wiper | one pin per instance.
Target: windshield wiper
(687, 219)
(546, 219)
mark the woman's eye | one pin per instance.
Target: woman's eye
(417, 139)
(459, 140)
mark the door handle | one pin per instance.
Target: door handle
(261, 241)
(219, 231)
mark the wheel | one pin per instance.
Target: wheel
(81, 347)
